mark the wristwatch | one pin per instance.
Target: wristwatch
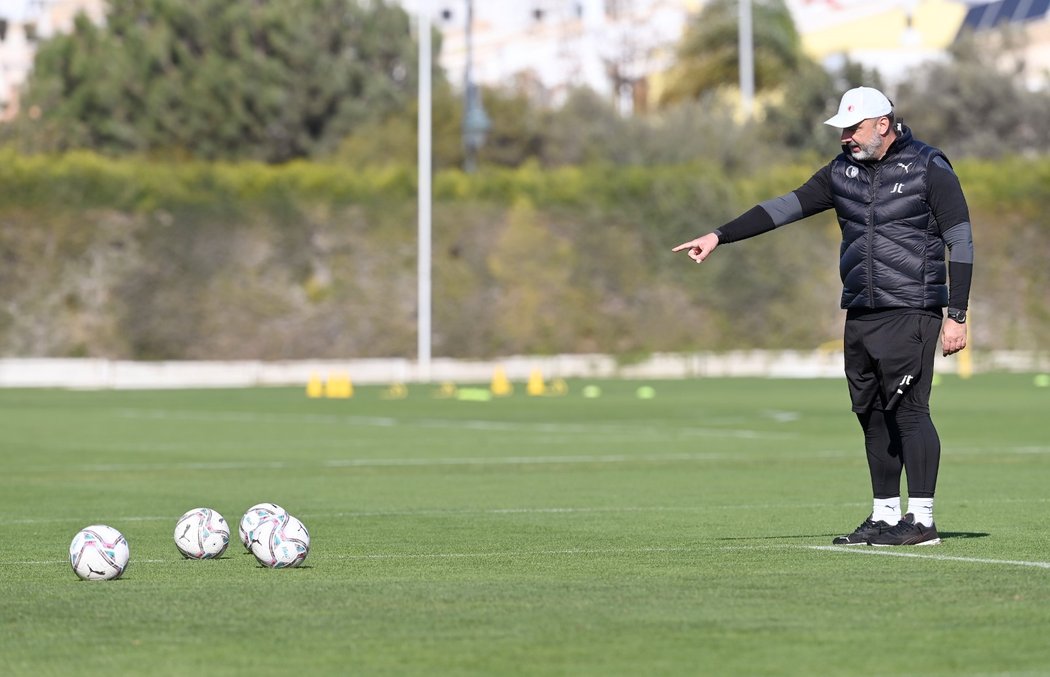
(957, 315)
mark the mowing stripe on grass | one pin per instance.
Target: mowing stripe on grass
(864, 550)
(366, 514)
(616, 551)
(490, 460)
(477, 461)
(515, 553)
(658, 549)
(432, 555)
(530, 460)
(439, 462)
(451, 424)
(470, 512)
(50, 562)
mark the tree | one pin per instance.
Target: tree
(809, 96)
(515, 134)
(589, 130)
(977, 102)
(231, 79)
(586, 129)
(709, 53)
(531, 269)
(393, 140)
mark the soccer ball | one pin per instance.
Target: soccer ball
(281, 544)
(201, 533)
(99, 553)
(254, 516)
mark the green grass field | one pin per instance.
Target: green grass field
(688, 534)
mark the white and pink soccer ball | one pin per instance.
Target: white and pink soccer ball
(280, 544)
(256, 515)
(99, 553)
(202, 533)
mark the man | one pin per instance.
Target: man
(899, 205)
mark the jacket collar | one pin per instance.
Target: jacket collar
(904, 137)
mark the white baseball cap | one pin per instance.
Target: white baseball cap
(860, 103)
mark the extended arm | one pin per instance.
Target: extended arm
(812, 197)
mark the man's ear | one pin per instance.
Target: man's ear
(882, 125)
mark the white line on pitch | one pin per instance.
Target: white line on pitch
(865, 550)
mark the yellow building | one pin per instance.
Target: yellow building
(892, 35)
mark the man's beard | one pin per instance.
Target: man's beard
(868, 151)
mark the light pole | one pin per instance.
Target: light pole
(747, 59)
(475, 121)
(425, 167)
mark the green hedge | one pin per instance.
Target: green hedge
(89, 180)
(78, 180)
(132, 258)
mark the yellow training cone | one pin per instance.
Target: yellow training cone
(501, 385)
(396, 391)
(446, 391)
(535, 386)
(314, 387)
(339, 387)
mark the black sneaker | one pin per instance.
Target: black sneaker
(867, 529)
(907, 532)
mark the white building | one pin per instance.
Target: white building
(608, 45)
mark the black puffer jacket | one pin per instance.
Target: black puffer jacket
(892, 253)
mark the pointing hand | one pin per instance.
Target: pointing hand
(700, 248)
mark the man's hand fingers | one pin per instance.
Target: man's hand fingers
(950, 347)
(699, 248)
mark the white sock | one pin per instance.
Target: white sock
(922, 508)
(886, 510)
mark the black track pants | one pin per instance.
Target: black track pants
(903, 439)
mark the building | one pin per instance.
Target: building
(610, 46)
(892, 35)
(620, 47)
(1030, 19)
(895, 35)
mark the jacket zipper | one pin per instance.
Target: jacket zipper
(871, 237)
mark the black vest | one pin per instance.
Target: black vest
(892, 254)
